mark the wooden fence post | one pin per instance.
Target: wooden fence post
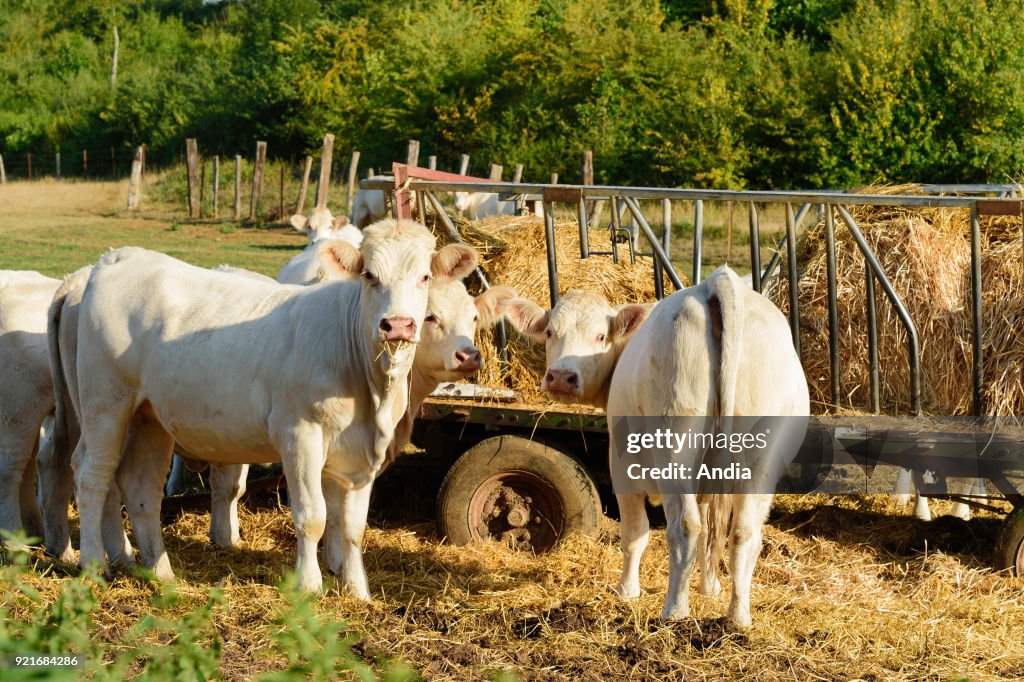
(57, 166)
(463, 164)
(3, 171)
(216, 184)
(29, 166)
(413, 157)
(353, 168)
(192, 166)
(135, 183)
(370, 172)
(238, 187)
(280, 195)
(517, 173)
(496, 172)
(85, 164)
(113, 163)
(300, 203)
(554, 178)
(432, 162)
(257, 179)
(326, 161)
(587, 175)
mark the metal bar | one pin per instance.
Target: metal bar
(698, 239)
(978, 375)
(421, 207)
(755, 249)
(549, 242)
(666, 231)
(603, 192)
(833, 304)
(782, 242)
(876, 401)
(615, 226)
(659, 253)
(794, 294)
(584, 233)
(914, 350)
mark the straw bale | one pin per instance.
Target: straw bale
(513, 254)
(925, 252)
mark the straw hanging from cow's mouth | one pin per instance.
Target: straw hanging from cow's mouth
(391, 350)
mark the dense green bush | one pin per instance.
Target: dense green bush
(725, 93)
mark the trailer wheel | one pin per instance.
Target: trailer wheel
(1009, 553)
(517, 491)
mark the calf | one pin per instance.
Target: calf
(716, 348)
(310, 377)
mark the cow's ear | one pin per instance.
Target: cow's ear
(628, 319)
(339, 222)
(529, 318)
(490, 305)
(300, 222)
(339, 258)
(453, 262)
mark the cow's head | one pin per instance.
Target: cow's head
(584, 336)
(462, 201)
(321, 224)
(446, 351)
(397, 263)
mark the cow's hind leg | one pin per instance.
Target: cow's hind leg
(682, 532)
(227, 483)
(115, 540)
(749, 514)
(355, 505)
(333, 551)
(104, 428)
(56, 485)
(31, 518)
(634, 532)
(141, 477)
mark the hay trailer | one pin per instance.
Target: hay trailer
(529, 475)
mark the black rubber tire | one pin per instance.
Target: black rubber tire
(571, 484)
(1008, 544)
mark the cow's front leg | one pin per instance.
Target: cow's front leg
(115, 540)
(16, 450)
(228, 485)
(355, 505)
(333, 551)
(303, 456)
(634, 532)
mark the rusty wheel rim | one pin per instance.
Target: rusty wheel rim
(518, 508)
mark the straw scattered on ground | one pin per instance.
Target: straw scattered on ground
(843, 590)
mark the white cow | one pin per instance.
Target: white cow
(716, 348)
(321, 227)
(26, 394)
(310, 376)
(479, 205)
(906, 487)
(369, 205)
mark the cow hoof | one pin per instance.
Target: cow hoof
(712, 590)
(740, 621)
(627, 591)
(675, 613)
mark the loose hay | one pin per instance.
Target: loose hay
(842, 590)
(925, 252)
(513, 254)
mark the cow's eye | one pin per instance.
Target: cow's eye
(430, 318)
(475, 318)
(426, 279)
(600, 338)
(550, 334)
(368, 276)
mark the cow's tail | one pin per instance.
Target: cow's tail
(726, 293)
(64, 407)
(719, 511)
